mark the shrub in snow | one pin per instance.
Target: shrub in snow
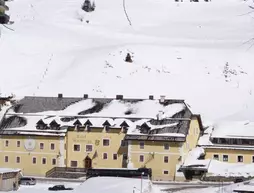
(128, 58)
(88, 6)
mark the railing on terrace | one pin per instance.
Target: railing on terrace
(65, 169)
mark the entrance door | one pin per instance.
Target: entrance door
(88, 162)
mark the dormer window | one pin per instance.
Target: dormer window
(125, 126)
(145, 128)
(54, 125)
(88, 125)
(106, 124)
(41, 125)
(77, 123)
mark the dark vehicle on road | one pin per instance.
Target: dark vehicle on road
(27, 181)
(238, 180)
(59, 187)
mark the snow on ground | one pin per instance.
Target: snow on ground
(43, 187)
(192, 51)
(113, 185)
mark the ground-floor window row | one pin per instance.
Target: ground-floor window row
(225, 158)
(34, 160)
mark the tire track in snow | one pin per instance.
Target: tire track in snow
(45, 72)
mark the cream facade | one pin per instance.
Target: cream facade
(34, 155)
(164, 156)
(96, 148)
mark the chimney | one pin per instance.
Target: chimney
(151, 97)
(119, 97)
(85, 96)
(60, 95)
(162, 99)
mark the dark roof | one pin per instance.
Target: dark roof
(32, 104)
(40, 104)
(180, 126)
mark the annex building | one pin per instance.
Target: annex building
(41, 134)
(231, 142)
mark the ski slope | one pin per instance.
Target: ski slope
(193, 51)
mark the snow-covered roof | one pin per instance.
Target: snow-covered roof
(234, 129)
(167, 118)
(8, 170)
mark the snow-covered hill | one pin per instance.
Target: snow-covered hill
(187, 50)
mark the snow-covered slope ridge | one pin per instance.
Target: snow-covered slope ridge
(187, 50)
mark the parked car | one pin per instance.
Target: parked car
(59, 187)
(238, 180)
(27, 181)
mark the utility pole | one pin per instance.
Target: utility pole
(141, 190)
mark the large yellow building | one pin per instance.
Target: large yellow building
(40, 134)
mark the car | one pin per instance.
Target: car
(59, 187)
(238, 180)
(27, 181)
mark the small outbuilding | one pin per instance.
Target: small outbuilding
(9, 179)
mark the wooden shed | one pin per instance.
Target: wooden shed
(9, 179)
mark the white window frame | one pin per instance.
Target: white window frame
(143, 158)
(55, 161)
(142, 146)
(116, 156)
(53, 145)
(6, 143)
(165, 171)
(166, 144)
(103, 155)
(6, 156)
(164, 159)
(45, 161)
(217, 155)
(242, 159)
(108, 142)
(17, 159)
(19, 143)
(74, 161)
(223, 158)
(92, 147)
(33, 160)
(42, 146)
(74, 148)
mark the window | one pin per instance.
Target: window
(44, 161)
(141, 158)
(105, 156)
(6, 143)
(6, 158)
(41, 145)
(165, 172)
(165, 159)
(76, 147)
(52, 146)
(166, 146)
(216, 156)
(34, 160)
(225, 158)
(17, 159)
(18, 143)
(74, 164)
(252, 159)
(114, 156)
(89, 148)
(141, 145)
(53, 161)
(240, 158)
(105, 142)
